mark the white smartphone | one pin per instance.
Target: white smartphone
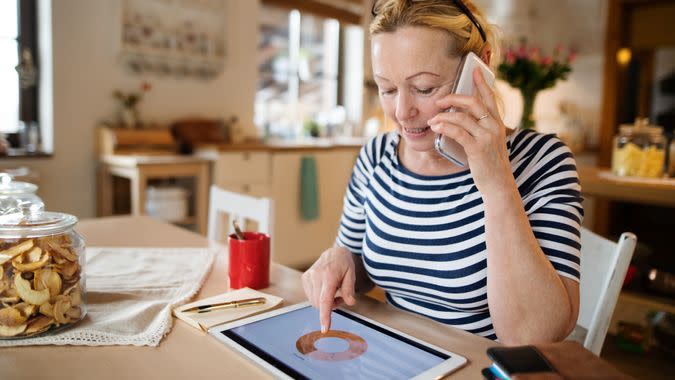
(447, 147)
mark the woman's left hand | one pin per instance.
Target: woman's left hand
(481, 132)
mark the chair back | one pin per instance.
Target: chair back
(240, 207)
(603, 268)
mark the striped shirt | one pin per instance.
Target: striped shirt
(422, 238)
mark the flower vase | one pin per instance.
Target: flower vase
(529, 97)
(128, 117)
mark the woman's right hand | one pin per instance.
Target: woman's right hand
(333, 272)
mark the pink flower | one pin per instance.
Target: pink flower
(510, 56)
(558, 49)
(534, 54)
(522, 52)
(547, 60)
(572, 56)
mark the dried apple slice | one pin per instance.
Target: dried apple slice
(47, 279)
(47, 309)
(12, 330)
(35, 297)
(74, 313)
(64, 252)
(60, 309)
(26, 309)
(35, 254)
(10, 253)
(10, 316)
(39, 324)
(10, 300)
(76, 298)
(31, 266)
(68, 269)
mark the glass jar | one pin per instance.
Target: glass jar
(639, 150)
(42, 277)
(671, 159)
(14, 193)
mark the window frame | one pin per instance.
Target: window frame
(27, 38)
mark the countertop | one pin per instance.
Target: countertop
(286, 145)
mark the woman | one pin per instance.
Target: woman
(492, 249)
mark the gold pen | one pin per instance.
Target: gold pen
(227, 305)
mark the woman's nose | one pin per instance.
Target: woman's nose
(405, 107)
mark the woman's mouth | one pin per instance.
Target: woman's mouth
(416, 132)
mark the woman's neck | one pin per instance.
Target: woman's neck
(427, 163)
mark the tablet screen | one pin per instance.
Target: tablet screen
(353, 348)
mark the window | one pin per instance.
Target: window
(18, 75)
(9, 91)
(302, 84)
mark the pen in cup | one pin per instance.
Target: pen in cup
(227, 305)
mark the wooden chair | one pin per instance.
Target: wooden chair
(603, 268)
(243, 208)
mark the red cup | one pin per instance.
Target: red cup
(249, 261)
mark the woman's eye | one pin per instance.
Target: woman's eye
(425, 91)
(387, 92)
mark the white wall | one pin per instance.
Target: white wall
(85, 72)
(579, 23)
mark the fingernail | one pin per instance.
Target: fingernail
(324, 329)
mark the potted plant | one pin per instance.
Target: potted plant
(129, 116)
(526, 69)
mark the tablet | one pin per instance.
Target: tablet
(288, 342)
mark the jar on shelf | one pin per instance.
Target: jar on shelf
(42, 276)
(14, 193)
(639, 150)
(671, 159)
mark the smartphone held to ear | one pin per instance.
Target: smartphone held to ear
(449, 148)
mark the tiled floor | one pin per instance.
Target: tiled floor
(652, 365)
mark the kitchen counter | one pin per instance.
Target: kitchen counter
(600, 182)
(309, 144)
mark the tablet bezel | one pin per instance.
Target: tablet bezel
(453, 363)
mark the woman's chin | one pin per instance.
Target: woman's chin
(419, 139)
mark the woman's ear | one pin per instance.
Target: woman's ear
(487, 54)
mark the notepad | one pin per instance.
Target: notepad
(204, 321)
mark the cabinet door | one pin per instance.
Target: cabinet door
(241, 168)
(298, 242)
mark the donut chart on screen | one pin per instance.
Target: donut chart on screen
(307, 346)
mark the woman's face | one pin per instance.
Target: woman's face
(413, 69)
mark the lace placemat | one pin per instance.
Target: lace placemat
(130, 293)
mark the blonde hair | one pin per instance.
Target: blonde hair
(442, 15)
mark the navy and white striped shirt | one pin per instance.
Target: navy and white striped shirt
(422, 238)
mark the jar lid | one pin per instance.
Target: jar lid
(33, 221)
(8, 186)
(641, 125)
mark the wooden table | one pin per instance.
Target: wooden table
(139, 169)
(187, 353)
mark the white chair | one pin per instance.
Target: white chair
(238, 207)
(603, 267)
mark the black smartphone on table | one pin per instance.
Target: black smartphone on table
(521, 359)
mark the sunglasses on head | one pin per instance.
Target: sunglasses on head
(460, 5)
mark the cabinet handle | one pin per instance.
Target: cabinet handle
(247, 188)
(247, 156)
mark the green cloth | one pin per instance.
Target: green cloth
(309, 189)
